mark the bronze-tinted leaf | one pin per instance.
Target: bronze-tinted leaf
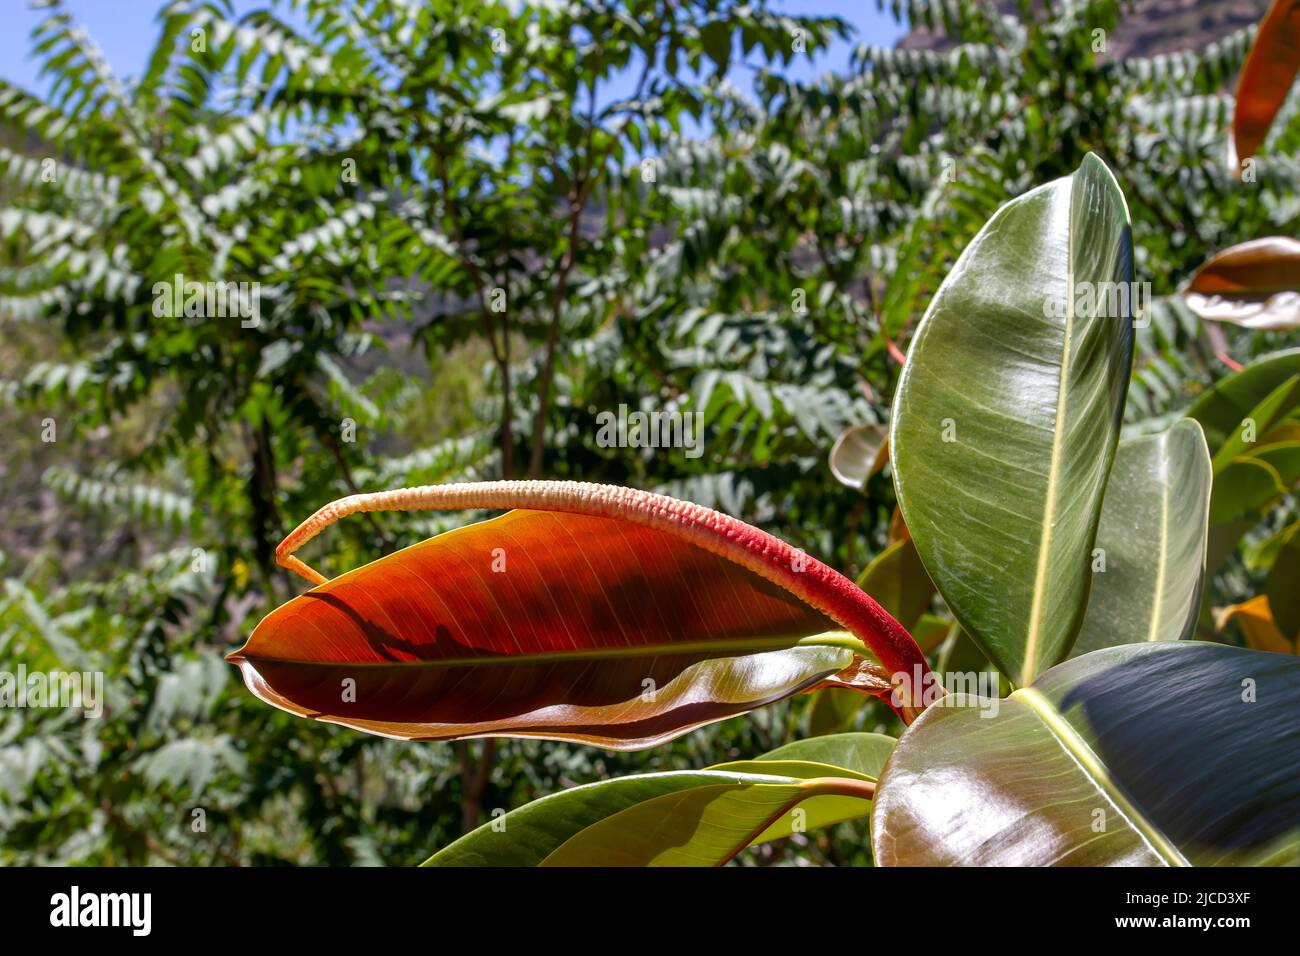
(1266, 76)
(1255, 618)
(1255, 285)
(542, 624)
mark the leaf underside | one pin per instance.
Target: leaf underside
(541, 624)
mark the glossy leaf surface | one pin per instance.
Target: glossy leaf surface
(1225, 405)
(541, 624)
(1154, 524)
(1266, 76)
(1007, 416)
(1255, 285)
(683, 818)
(1152, 754)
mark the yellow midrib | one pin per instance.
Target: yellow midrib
(1029, 669)
(732, 647)
(1078, 749)
(1163, 559)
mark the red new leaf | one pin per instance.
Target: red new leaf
(1267, 75)
(597, 614)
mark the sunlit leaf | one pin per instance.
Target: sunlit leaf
(1152, 540)
(679, 818)
(1169, 753)
(541, 624)
(1007, 416)
(1223, 407)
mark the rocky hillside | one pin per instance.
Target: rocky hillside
(1152, 26)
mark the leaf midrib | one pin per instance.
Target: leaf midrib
(733, 647)
(1162, 560)
(1077, 748)
(1029, 668)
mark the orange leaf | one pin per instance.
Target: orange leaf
(556, 624)
(1267, 75)
(1256, 620)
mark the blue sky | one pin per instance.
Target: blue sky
(126, 31)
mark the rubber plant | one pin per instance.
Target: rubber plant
(1068, 559)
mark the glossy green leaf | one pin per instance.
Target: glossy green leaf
(1241, 488)
(862, 753)
(855, 756)
(1152, 539)
(1007, 416)
(808, 813)
(706, 826)
(1270, 412)
(700, 818)
(1222, 408)
(1146, 754)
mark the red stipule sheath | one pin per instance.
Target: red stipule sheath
(818, 585)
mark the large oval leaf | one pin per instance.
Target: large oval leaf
(529, 835)
(693, 818)
(1255, 285)
(1007, 416)
(1150, 754)
(542, 624)
(1266, 76)
(707, 826)
(1151, 543)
